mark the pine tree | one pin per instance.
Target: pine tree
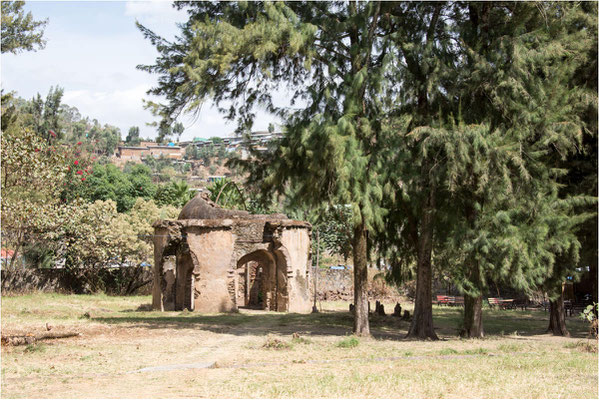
(331, 56)
(20, 32)
(478, 147)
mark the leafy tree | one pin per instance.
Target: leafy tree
(44, 116)
(164, 132)
(133, 138)
(191, 152)
(94, 234)
(20, 32)
(178, 130)
(108, 182)
(34, 174)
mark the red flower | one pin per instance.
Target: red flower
(79, 172)
(82, 179)
(76, 162)
(36, 150)
(52, 133)
(69, 168)
(79, 143)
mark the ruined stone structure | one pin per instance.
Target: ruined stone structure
(216, 260)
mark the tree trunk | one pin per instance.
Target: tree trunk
(557, 317)
(361, 326)
(473, 302)
(422, 322)
(593, 274)
(473, 317)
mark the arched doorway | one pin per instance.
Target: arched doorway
(184, 289)
(255, 279)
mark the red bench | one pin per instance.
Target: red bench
(450, 300)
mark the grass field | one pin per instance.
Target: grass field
(265, 354)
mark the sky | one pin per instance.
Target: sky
(92, 50)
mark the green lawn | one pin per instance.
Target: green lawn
(267, 354)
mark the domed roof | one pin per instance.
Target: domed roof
(201, 207)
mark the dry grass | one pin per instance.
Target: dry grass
(260, 354)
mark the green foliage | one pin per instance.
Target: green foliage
(133, 138)
(164, 132)
(448, 128)
(191, 152)
(349, 342)
(34, 174)
(52, 120)
(109, 182)
(178, 130)
(590, 314)
(175, 193)
(20, 32)
(39, 256)
(227, 194)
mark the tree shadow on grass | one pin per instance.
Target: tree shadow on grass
(337, 323)
(525, 323)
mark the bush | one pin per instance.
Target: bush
(349, 342)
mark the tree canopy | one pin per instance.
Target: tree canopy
(20, 32)
(445, 127)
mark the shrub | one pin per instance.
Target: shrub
(349, 342)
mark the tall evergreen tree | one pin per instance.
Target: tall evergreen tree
(470, 187)
(521, 60)
(330, 56)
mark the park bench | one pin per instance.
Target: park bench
(500, 303)
(450, 300)
(442, 299)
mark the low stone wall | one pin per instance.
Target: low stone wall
(118, 281)
(338, 284)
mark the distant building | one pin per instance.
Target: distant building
(150, 149)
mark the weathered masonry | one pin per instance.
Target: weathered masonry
(216, 260)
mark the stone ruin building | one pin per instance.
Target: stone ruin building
(216, 260)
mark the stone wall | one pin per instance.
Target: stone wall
(118, 281)
(336, 285)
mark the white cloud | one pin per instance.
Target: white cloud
(115, 107)
(153, 12)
